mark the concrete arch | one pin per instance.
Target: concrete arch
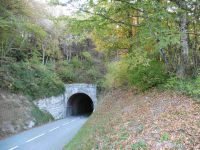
(84, 89)
(57, 105)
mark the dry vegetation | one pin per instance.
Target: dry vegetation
(18, 109)
(17, 113)
(153, 120)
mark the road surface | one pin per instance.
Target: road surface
(52, 136)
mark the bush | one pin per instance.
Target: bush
(76, 63)
(92, 74)
(34, 80)
(117, 74)
(147, 76)
(77, 71)
(65, 72)
(87, 56)
(188, 86)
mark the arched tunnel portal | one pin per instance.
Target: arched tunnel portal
(79, 104)
(78, 99)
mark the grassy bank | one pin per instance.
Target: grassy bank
(40, 116)
(152, 120)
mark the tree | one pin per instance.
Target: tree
(165, 28)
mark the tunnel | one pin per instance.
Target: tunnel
(79, 104)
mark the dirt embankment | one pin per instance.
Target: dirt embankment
(15, 113)
(153, 120)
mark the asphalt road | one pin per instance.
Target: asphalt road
(52, 136)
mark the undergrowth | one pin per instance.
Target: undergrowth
(40, 116)
(142, 76)
(32, 79)
(190, 86)
(145, 77)
(36, 80)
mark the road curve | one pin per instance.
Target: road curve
(52, 136)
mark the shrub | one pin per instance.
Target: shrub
(34, 80)
(188, 86)
(147, 76)
(76, 71)
(87, 56)
(92, 74)
(116, 75)
(76, 63)
(65, 72)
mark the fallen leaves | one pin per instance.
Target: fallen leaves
(153, 120)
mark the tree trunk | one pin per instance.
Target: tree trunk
(184, 68)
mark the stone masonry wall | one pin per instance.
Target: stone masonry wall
(53, 105)
(57, 106)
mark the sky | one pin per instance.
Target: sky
(57, 11)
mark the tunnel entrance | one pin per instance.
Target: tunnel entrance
(79, 104)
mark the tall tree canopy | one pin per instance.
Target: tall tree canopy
(166, 29)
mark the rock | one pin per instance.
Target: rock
(15, 112)
(31, 124)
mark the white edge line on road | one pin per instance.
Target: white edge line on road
(54, 129)
(35, 137)
(13, 148)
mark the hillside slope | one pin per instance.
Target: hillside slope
(152, 120)
(17, 113)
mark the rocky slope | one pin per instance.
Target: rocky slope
(15, 113)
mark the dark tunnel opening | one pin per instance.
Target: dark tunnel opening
(80, 104)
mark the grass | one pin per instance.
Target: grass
(165, 137)
(84, 139)
(40, 116)
(32, 79)
(139, 145)
(126, 120)
(78, 141)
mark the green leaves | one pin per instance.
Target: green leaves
(139, 145)
(34, 80)
(165, 137)
(189, 87)
(145, 77)
(3, 23)
(54, 2)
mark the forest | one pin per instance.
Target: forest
(137, 43)
(37, 55)
(118, 45)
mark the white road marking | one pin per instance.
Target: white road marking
(65, 124)
(54, 129)
(68, 122)
(35, 137)
(13, 148)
